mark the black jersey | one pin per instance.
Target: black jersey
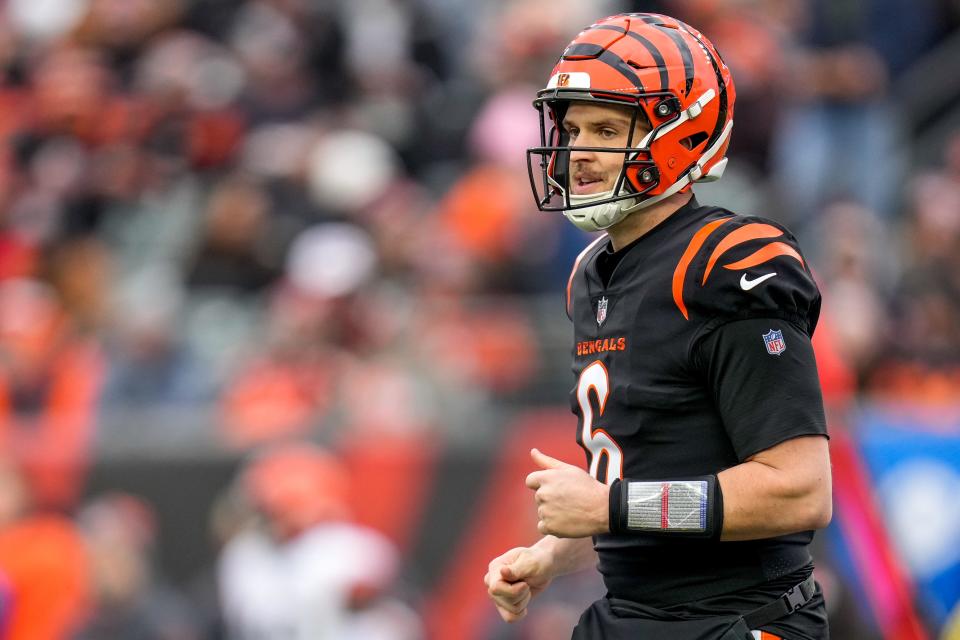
(692, 352)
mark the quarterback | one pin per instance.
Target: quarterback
(697, 396)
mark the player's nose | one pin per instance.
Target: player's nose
(578, 152)
(581, 156)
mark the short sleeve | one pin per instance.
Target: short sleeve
(753, 268)
(762, 375)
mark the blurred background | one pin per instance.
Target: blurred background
(279, 320)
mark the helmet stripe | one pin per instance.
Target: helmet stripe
(722, 114)
(657, 58)
(620, 65)
(607, 27)
(617, 63)
(654, 19)
(686, 55)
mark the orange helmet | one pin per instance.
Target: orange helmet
(670, 75)
(296, 486)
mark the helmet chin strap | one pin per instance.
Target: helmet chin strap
(606, 214)
(599, 216)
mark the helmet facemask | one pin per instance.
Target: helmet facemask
(551, 173)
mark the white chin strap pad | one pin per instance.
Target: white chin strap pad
(600, 216)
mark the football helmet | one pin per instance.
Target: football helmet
(671, 78)
(296, 486)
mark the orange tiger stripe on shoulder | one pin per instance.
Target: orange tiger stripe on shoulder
(765, 254)
(753, 231)
(680, 273)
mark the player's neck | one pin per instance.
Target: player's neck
(638, 224)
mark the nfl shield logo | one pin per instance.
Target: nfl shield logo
(774, 341)
(601, 311)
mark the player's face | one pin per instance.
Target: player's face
(595, 125)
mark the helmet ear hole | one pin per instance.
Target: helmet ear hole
(693, 141)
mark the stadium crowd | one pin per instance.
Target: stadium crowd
(226, 224)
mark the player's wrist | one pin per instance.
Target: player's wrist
(564, 555)
(690, 507)
(601, 515)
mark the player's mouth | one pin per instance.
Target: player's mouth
(585, 184)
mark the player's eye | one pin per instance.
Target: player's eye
(608, 134)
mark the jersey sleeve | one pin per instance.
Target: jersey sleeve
(752, 268)
(762, 375)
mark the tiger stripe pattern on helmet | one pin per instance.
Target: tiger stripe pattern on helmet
(671, 77)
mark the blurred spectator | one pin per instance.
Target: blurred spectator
(840, 133)
(307, 572)
(755, 41)
(44, 568)
(151, 365)
(274, 49)
(123, 26)
(487, 346)
(854, 259)
(71, 89)
(182, 70)
(235, 252)
(922, 357)
(285, 387)
(78, 269)
(129, 600)
(349, 170)
(50, 380)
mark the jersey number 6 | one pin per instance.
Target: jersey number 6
(598, 442)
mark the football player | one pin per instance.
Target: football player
(697, 396)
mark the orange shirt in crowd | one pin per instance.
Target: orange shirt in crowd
(44, 561)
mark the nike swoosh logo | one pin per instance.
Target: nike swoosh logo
(746, 285)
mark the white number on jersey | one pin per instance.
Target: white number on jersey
(595, 440)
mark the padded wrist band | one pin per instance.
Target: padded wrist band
(692, 507)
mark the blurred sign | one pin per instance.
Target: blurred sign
(915, 465)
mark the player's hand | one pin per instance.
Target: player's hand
(514, 578)
(570, 502)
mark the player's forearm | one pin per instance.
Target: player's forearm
(760, 501)
(568, 555)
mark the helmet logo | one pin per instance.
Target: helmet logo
(570, 79)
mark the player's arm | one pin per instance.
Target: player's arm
(769, 400)
(518, 575)
(780, 490)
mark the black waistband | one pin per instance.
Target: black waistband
(699, 573)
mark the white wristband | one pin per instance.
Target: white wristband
(679, 505)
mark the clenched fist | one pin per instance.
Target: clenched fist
(514, 578)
